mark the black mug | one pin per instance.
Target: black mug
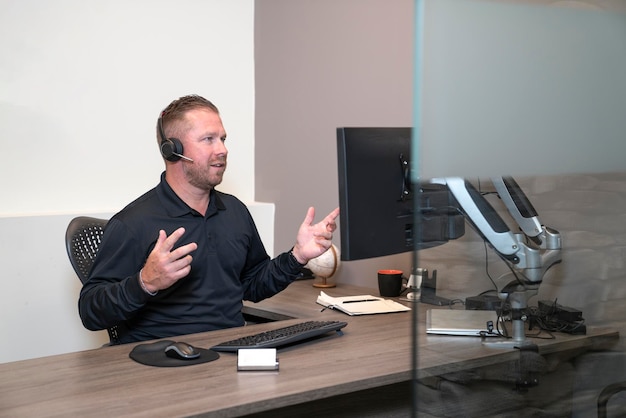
(390, 282)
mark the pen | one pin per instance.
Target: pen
(362, 300)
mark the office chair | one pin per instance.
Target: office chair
(606, 394)
(82, 239)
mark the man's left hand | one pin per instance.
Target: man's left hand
(314, 239)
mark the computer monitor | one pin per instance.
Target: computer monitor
(378, 201)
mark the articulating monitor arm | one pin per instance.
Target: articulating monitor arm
(518, 206)
(530, 253)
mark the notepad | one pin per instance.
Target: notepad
(360, 304)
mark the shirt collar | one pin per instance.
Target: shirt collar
(176, 207)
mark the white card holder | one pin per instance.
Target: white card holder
(251, 359)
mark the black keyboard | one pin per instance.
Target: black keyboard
(282, 336)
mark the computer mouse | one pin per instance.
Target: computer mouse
(181, 350)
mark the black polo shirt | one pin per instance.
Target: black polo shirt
(230, 265)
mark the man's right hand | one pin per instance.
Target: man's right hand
(165, 265)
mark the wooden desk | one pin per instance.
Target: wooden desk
(374, 351)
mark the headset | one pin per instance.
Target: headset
(171, 148)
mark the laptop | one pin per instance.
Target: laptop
(459, 322)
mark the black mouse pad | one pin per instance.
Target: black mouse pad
(153, 354)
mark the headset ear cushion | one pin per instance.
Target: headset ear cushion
(171, 149)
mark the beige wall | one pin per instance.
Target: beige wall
(322, 64)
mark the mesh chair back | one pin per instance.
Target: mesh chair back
(82, 239)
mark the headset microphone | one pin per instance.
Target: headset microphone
(171, 148)
(181, 156)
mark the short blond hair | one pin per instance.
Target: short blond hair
(175, 112)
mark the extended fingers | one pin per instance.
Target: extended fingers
(310, 215)
(328, 224)
(167, 264)
(181, 267)
(174, 259)
(165, 245)
(170, 241)
(184, 250)
(332, 215)
(329, 221)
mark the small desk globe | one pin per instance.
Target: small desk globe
(324, 267)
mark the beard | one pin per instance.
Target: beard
(204, 177)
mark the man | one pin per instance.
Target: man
(181, 258)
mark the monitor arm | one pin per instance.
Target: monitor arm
(519, 207)
(529, 253)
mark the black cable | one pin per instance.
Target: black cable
(549, 322)
(487, 267)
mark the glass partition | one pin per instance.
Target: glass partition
(535, 91)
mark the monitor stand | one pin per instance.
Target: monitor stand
(518, 300)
